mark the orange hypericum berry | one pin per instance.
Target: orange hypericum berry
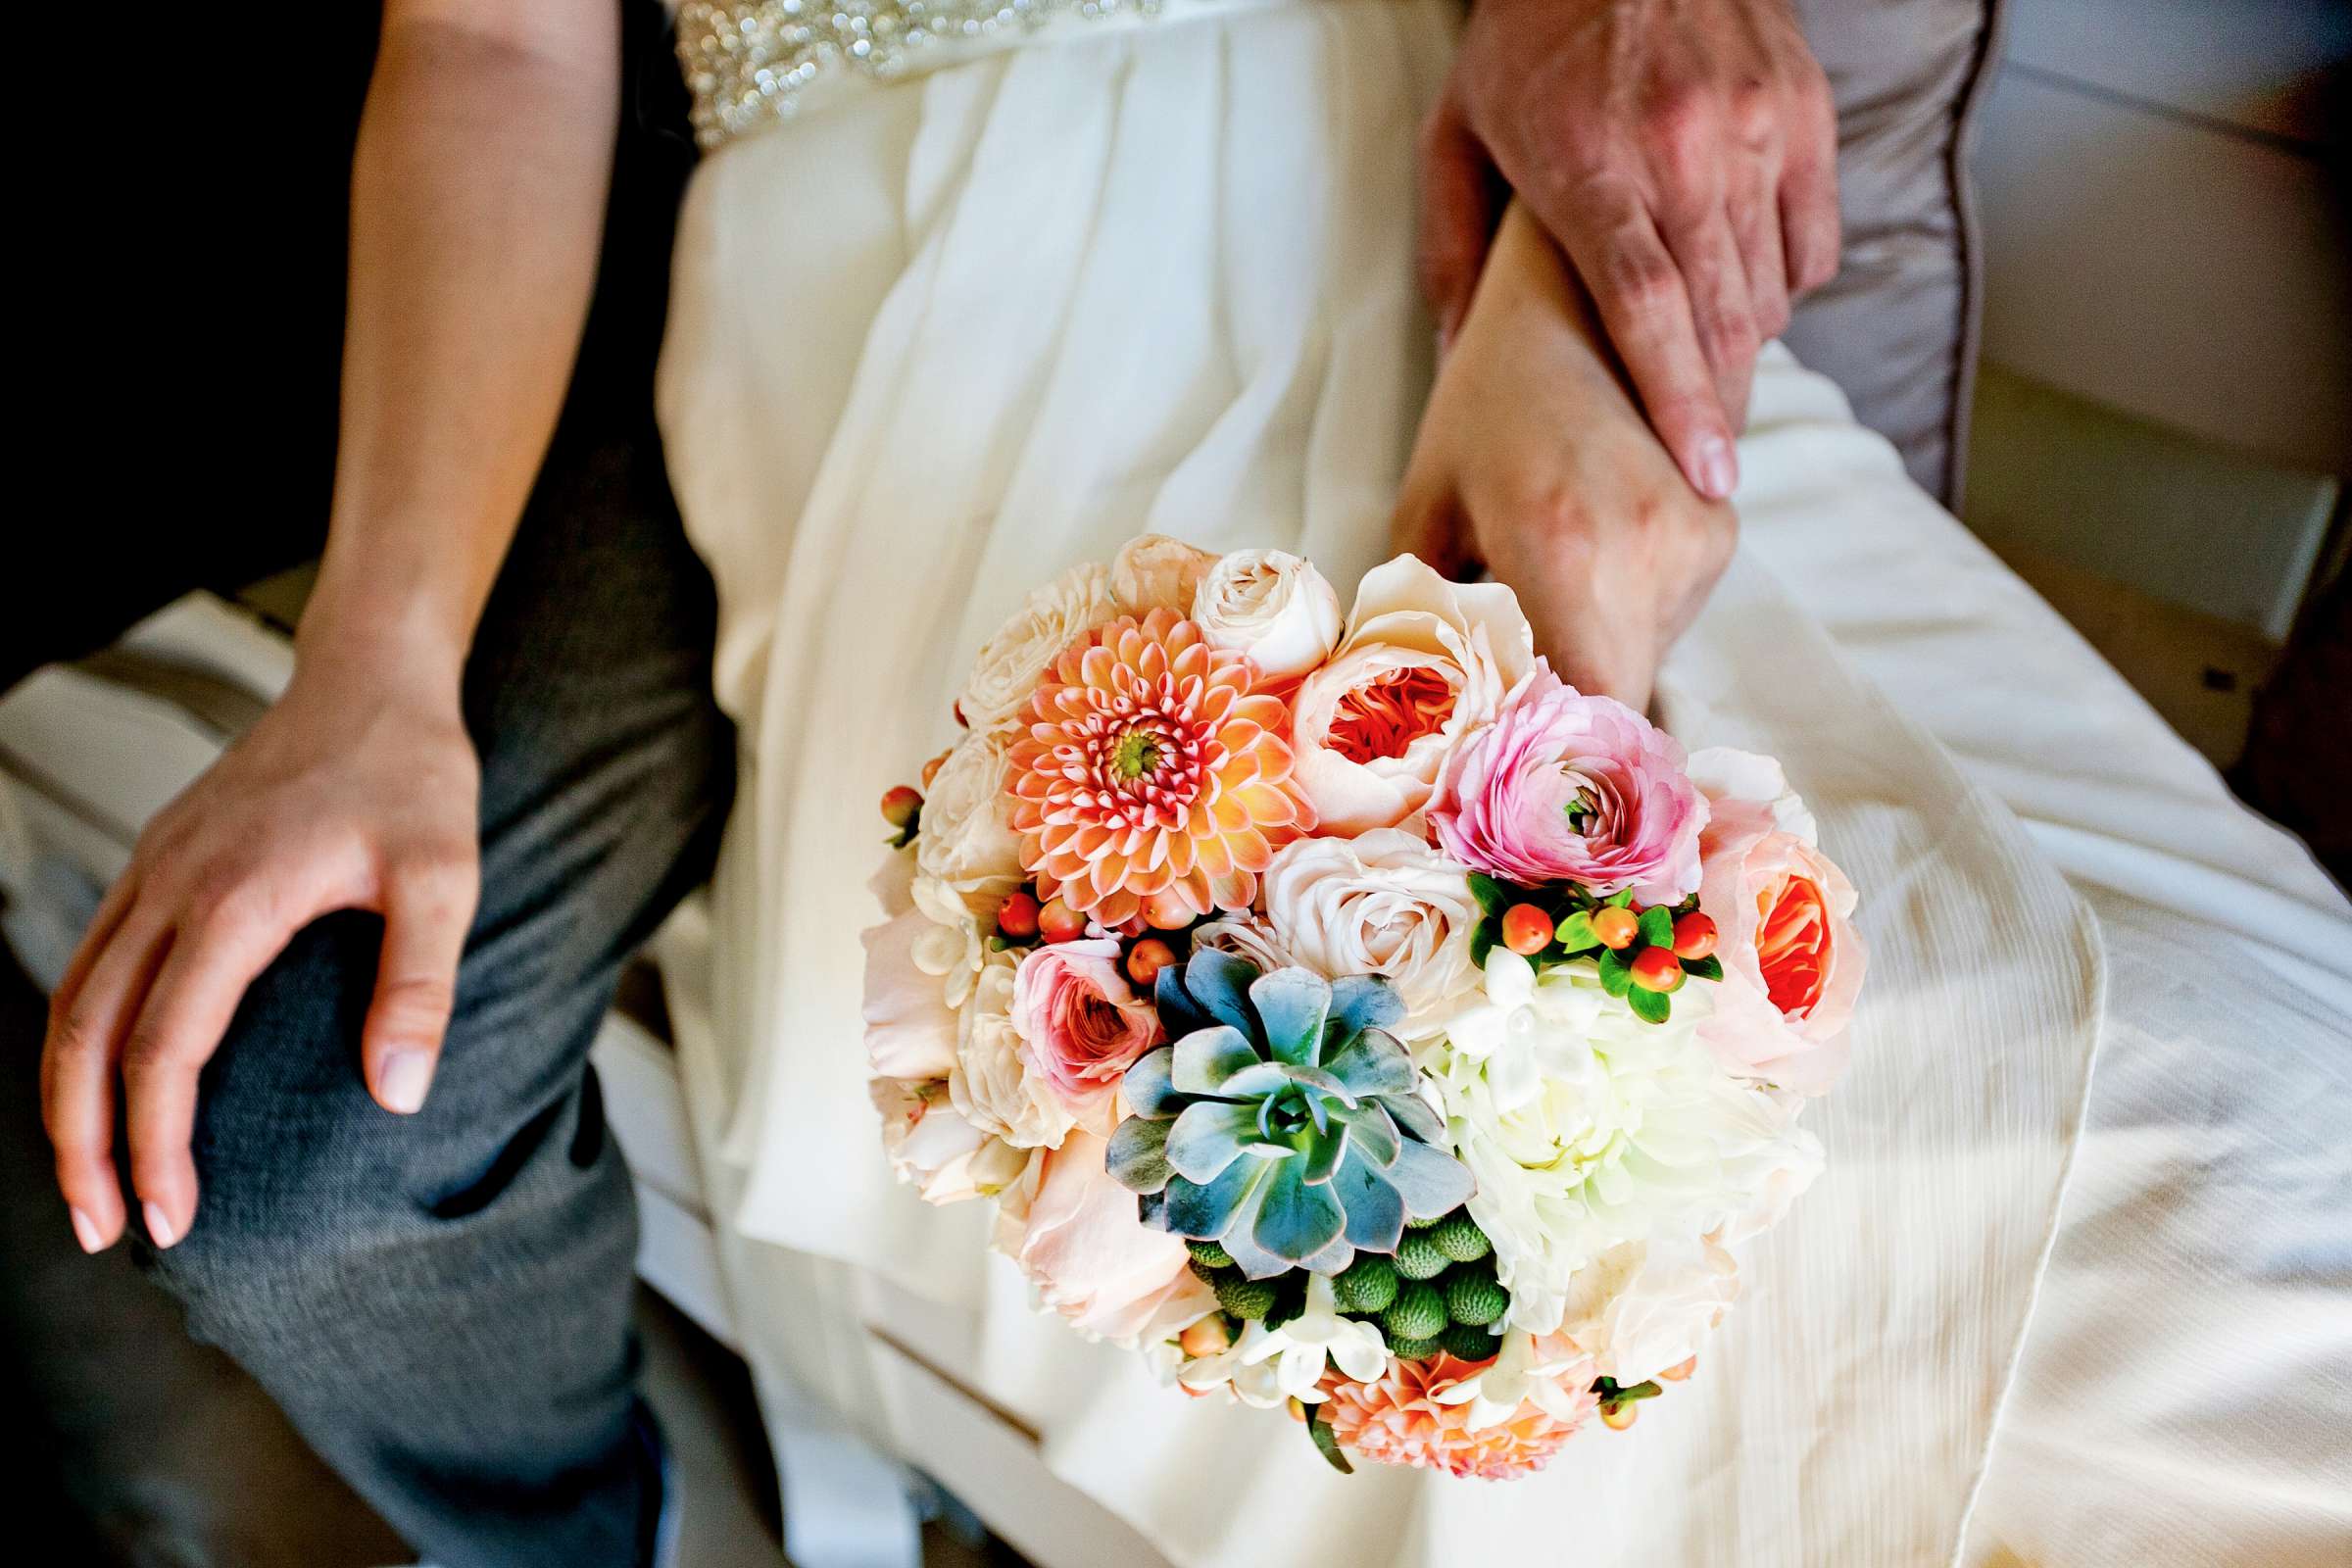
(1615, 927)
(1298, 1408)
(1016, 916)
(1059, 922)
(899, 802)
(1658, 969)
(1617, 1417)
(1146, 958)
(1209, 1336)
(1526, 930)
(1694, 937)
(1167, 911)
(1680, 1370)
(932, 767)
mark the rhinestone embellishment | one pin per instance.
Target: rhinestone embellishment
(747, 61)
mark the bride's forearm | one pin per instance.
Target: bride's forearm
(477, 197)
(1535, 462)
(1532, 300)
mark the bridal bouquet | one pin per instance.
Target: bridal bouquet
(1346, 1013)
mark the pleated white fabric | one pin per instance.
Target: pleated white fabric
(934, 341)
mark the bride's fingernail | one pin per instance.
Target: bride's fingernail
(401, 1082)
(1717, 473)
(85, 1231)
(158, 1226)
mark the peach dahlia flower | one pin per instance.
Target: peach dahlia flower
(1397, 1419)
(1151, 764)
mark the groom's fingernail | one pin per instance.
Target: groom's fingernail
(1717, 473)
(401, 1082)
(85, 1231)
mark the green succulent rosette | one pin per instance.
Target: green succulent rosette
(1284, 1122)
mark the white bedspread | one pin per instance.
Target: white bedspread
(2185, 1392)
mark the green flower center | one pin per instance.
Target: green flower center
(1138, 753)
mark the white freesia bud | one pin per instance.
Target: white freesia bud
(1272, 606)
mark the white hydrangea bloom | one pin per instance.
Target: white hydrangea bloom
(1586, 1127)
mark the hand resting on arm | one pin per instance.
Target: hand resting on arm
(1684, 155)
(1534, 463)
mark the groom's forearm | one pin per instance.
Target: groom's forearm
(477, 196)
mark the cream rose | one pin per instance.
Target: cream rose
(1049, 619)
(1154, 571)
(1245, 937)
(1383, 902)
(966, 839)
(947, 1159)
(1272, 606)
(1074, 1231)
(991, 1085)
(1425, 663)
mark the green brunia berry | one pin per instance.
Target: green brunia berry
(1245, 1297)
(1211, 1256)
(1469, 1341)
(1473, 1297)
(1417, 1313)
(1419, 1259)
(1415, 1350)
(1370, 1284)
(1284, 1122)
(1458, 1237)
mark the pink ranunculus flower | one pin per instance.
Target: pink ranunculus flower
(1082, 1026)
(1074, 1231)
(1791, 959)
(1566, 787)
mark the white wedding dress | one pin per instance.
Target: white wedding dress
(1064, 275)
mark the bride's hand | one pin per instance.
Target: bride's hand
(1534, 463)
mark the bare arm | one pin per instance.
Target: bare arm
(1535, 462)
(476, 201)
(478, 195)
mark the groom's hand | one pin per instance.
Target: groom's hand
(355, 790)
(1683, 153)
(1533, 465)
